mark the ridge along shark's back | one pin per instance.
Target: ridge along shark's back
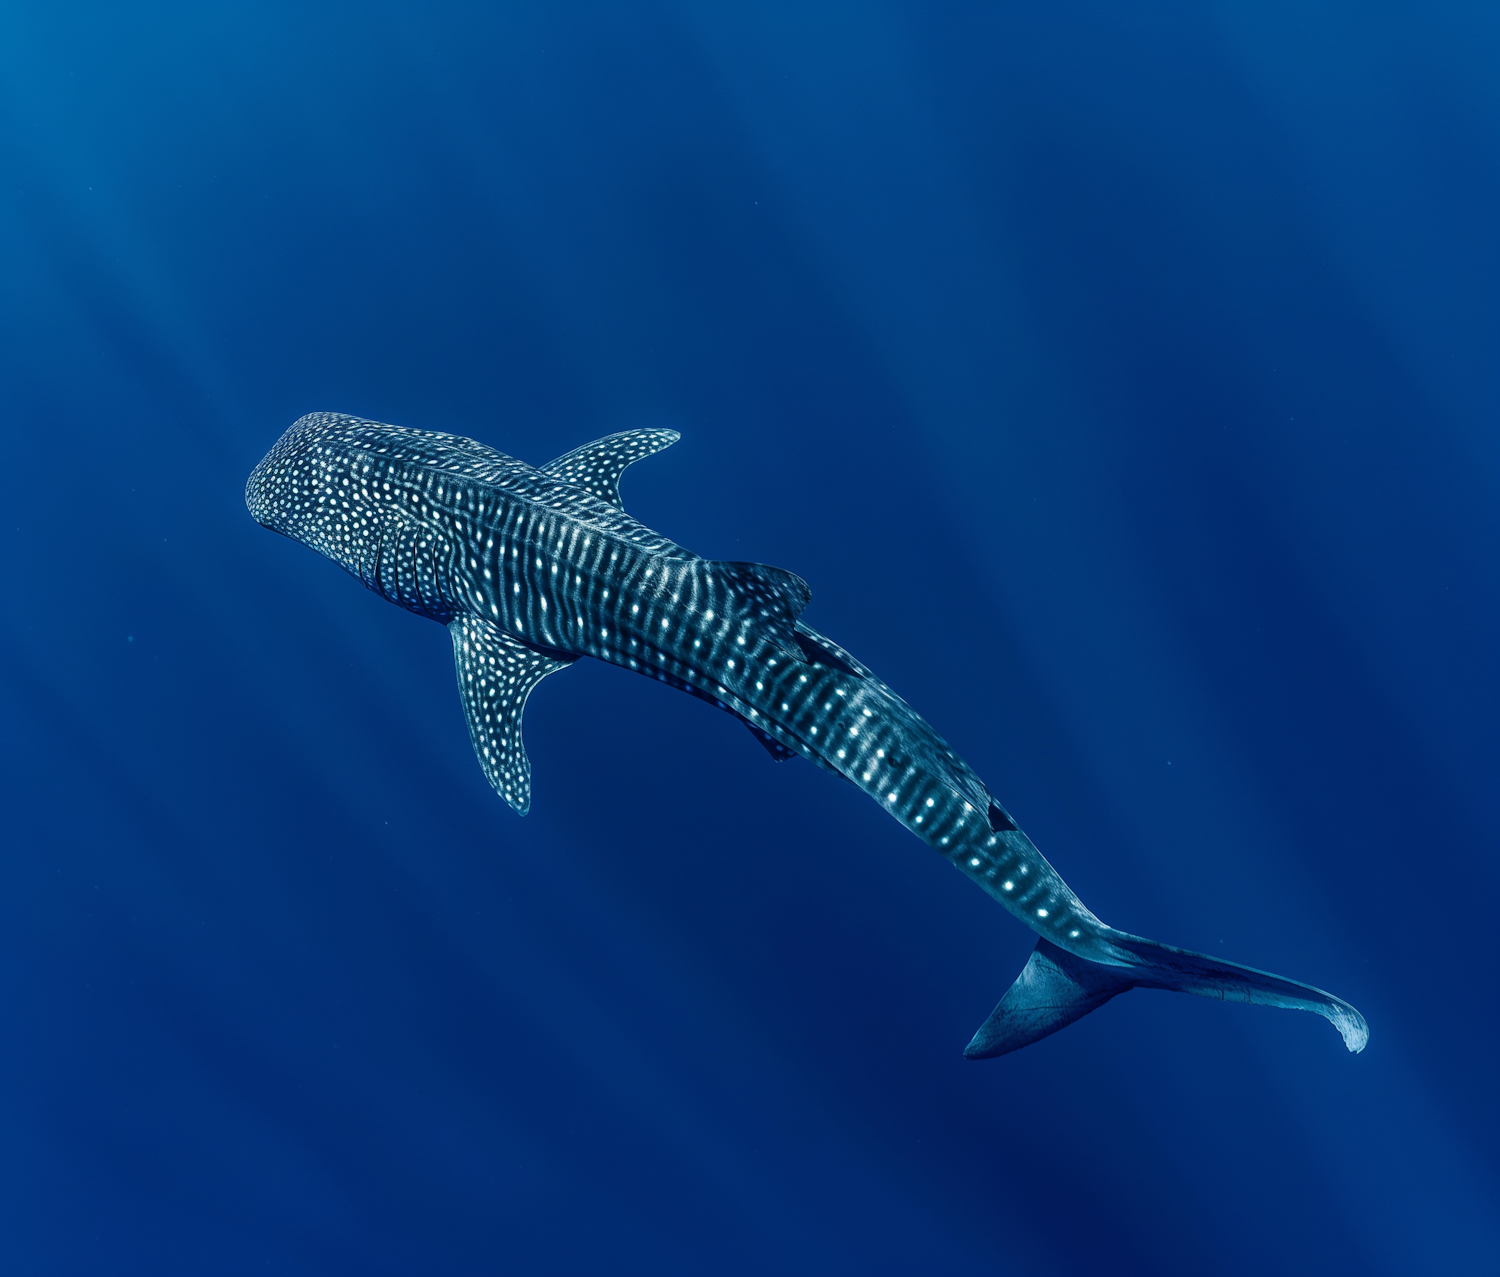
(336, 482)
(532, 568)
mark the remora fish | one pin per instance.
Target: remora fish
(532, 568)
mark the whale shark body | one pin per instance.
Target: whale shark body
(531, 568)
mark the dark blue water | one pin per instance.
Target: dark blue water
(1124, 381)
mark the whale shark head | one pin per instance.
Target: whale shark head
(304, 489)
(365, 494)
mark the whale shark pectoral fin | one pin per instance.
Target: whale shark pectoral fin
(495, 676)
(596, 467)
(1054, 989)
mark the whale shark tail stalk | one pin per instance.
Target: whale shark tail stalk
(1057, 987)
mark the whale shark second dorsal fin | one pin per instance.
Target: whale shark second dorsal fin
(495, 676)
(596, 467)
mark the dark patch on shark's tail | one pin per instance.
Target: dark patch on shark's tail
(1057, 987)
(1000, 820)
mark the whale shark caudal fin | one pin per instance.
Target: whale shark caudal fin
(495, 676)
(1057, 987)
(596, 467)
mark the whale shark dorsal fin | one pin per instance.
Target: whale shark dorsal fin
(772, 598)
(596, 467)
(495, 676)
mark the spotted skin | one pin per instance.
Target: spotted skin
(532, 568)
(597, 467)
(495, 676)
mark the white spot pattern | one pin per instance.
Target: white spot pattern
(495, 676)
(454, 530)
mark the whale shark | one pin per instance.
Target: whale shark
(533, 568)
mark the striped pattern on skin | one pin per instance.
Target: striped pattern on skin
(458, 532)
(532, 568)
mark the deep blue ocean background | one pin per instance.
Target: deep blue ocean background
(1125, 381)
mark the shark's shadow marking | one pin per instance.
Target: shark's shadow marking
(532, 568)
